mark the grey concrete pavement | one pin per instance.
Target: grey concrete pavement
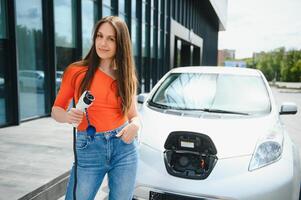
(32, 154)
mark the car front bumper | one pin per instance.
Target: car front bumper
(230, 179)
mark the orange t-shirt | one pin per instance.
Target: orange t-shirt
(105, 113)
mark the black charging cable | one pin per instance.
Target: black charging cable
(75, 159)
(84, 102)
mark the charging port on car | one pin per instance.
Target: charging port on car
(189, 155)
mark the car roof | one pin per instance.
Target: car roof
(32, 71)
(216, 70)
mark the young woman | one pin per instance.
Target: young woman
(108, 72)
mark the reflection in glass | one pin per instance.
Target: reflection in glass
(122, 17)
(106, 11)
(160, 53)
(160, 43)
(152, 17)
(89, 16)
(29, 38)
(64, 23)
(143, 12)
(143, 40)
(64, 11)
(3, 63)
(194, 91)
(185, 91)
(133, 10)
(107, 2)
(134, 37)
(154, 55)
(178, 52)
(3, 31)
(153, 42)
(58, 81)
(121, 6)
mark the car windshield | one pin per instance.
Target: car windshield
(219, 93)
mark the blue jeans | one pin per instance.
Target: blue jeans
(104, 154)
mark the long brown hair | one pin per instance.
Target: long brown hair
(126, 71)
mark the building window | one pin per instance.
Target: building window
(178, 47)
(124, 9)
(121, 6)
(161, 37)
(107, 2)
(136, 37)
(64, 23)
(134, 9)
(107, 9)
(89, 17)
(65, 45)
(154, 42)
(3, 28)
(161, 53)
(145, 42)
(30, 48)
(3, 61)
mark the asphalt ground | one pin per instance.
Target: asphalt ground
(291, 122)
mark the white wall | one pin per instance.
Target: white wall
(221, 9)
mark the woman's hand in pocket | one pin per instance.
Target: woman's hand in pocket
(128, 133)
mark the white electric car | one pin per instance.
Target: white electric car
(215, 133)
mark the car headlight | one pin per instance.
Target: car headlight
(268, 150)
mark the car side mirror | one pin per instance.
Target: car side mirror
(142, 97)
(288, 108)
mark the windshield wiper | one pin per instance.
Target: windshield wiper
(218, 111)
(161, 106)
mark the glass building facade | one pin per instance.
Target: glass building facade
(40, 38)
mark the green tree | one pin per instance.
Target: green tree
(289, 70)
(296, 71)
(276, 60)
(265, 65)
(279, 64)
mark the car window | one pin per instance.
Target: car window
(22, 73)
(1, 80)
(193, 91)
(59, 74)
(26, 74)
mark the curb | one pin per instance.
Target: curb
(52, 190)
(286, 85)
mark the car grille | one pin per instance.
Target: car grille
(169, 196)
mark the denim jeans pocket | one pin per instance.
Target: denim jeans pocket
(81, 143)
(124, 142)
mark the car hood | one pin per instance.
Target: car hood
(232, 136)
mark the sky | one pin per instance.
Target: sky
(261, 25)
